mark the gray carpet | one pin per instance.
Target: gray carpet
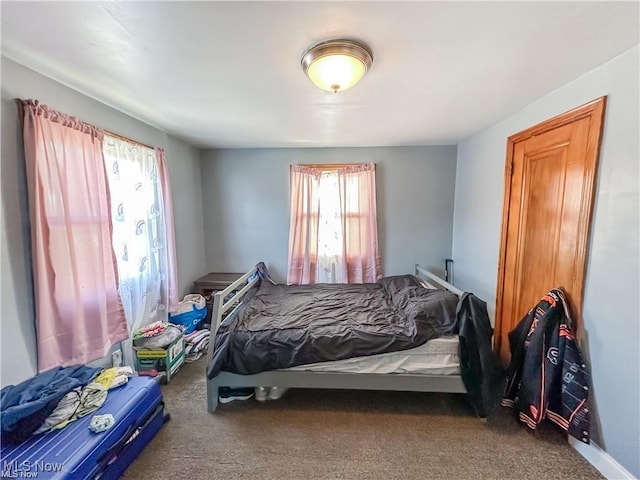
(334, 434)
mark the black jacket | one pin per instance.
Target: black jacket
(547, 377)
(479, 367)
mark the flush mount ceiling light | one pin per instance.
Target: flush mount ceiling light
(336, 65)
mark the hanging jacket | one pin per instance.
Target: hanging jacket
(547, 377)
(480, 369)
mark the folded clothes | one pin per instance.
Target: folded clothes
(196, 343)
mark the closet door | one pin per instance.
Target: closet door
(549, 190)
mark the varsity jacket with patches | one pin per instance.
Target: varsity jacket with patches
(547, 377)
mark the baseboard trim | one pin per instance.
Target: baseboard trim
(601, 460)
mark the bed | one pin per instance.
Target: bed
(403, 369)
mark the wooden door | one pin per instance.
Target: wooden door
(549, 187)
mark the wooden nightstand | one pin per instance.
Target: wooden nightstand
(214, 282)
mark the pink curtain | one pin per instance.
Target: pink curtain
(78, 311)
(337, 207)
(170, 289)
(361, 258)
(303, 230)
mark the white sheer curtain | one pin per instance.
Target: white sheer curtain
(140, 240)
(331, 259)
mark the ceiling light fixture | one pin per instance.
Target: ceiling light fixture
(336, 65)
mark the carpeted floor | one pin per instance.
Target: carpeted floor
(334, 434)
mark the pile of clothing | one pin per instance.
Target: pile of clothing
(151, 330)
(53, 399)
(195, 344)
(156, 335)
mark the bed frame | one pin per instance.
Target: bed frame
(302, 379)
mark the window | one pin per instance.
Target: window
(333, 231)
(140, 231)
(135, 195)
(330, 237)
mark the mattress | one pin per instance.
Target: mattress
(438, 356)
(282, 326)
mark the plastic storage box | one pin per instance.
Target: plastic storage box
(167, 359)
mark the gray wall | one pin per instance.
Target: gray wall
(18, 355)
(611, 319)
(246, 204)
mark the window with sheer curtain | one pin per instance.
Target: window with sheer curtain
(333, 231)
(142, 232)
(102, 238)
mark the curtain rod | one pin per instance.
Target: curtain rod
(329, 166)
(126, 139)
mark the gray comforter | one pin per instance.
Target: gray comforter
(281, 326)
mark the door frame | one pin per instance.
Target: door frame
(595, 111)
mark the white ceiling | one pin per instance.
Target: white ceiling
(227, 74)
